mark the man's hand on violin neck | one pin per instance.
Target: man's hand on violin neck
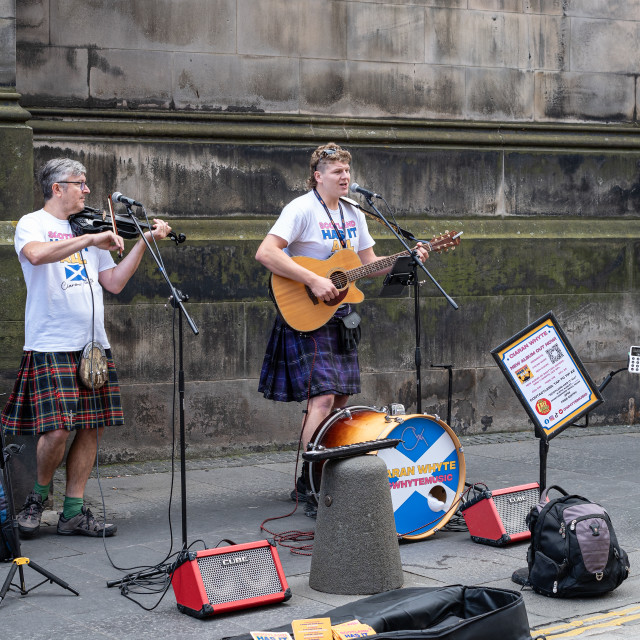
(159, 230)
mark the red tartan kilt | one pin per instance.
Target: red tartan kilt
(48, 395)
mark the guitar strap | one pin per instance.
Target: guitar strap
(340, 235)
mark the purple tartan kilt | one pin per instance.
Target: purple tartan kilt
(48, 395)
(291, 356)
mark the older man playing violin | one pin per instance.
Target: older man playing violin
(65, 276)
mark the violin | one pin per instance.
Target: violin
(91, 220)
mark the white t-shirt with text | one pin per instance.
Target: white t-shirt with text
(306, 227)
(60, 313)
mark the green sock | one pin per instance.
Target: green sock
(71, 507)
(42, 489)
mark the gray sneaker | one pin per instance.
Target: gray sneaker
(30, 516)
(84, 524)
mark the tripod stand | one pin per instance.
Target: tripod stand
(19, 562)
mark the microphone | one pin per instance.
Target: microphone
(356, 188)
(118, 197)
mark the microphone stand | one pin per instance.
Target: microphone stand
(177, 299)
(415, 265)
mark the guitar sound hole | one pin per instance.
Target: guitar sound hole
(339, 279)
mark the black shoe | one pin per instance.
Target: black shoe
(30, 516)
(85, 524)
(302, 493)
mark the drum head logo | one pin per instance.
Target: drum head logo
(424, 474)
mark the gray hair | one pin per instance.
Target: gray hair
(56, 170)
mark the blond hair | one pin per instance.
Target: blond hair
(324, 154)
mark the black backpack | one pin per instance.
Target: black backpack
(574, 550)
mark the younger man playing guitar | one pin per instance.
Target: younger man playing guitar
(312, 366)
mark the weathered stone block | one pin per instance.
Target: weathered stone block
(42, 72)
(32, 21)
(449, 4)
(13, 292)
(11, 344)
(207, 271)
(378, 88)
(231, 414)
(16, 163)
(220, 417)
(380, 389)
(7, 9)
(129, 78)
(386, 33)
(502, 93)
(497, 407)
(603, 9)
(600, 185)
(600, 326)
(160, 25)
(236, 83)
(488, 267)
(282, 28)
(8, 49)
(551, 7)
(325, 87)
(465, 337)
(549, 42)
(494, 39)
(418, 186)
(585, 96)
(388, 334)
(213, 180)
(511, 6)
(607, 46)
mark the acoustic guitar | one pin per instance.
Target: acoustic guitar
(302, 311)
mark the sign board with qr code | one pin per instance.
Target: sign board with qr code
(547, 376)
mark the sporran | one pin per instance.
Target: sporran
(349, 331)
(93, 367)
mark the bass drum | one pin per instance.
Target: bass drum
(426, 470)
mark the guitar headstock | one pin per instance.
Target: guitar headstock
(448, 240)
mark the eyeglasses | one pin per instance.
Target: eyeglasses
(82, 183)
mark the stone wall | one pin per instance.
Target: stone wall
(513, 121)
(494, 60)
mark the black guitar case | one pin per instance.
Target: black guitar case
(444, 613)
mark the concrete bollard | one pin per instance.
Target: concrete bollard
(355, 549)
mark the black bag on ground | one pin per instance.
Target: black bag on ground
(6, 526)
(444, 613)
(574, 550)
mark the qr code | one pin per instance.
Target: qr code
(554, 354)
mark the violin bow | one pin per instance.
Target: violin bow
(113, 222)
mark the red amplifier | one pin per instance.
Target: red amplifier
(499, 517)
(225, 579)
